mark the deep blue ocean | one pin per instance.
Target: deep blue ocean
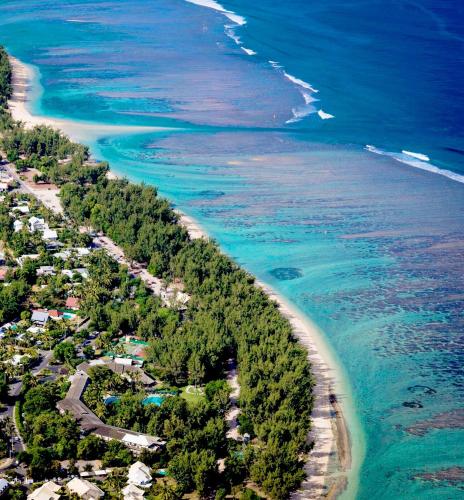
(322, 144)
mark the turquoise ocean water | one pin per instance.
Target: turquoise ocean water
(367, 242)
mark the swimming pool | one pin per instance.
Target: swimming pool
(154, 399)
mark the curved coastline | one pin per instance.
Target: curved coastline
(334, 461)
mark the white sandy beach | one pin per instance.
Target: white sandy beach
(329, 431)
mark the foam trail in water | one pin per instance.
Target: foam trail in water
(414, 161)
(419, 156)
(248, 51)
(300, 83)
(324, 116)
(230, 32)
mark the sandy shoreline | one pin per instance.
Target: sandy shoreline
(329, 430)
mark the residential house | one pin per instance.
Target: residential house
(84, 489)
(37, 224)
(80, 270)
(31, 256)
(139, 474)
(46, 271)
(132, 492)
(39, 318)
(72, 303)
(18, 225)
(48, 491)
(23, 209)
(50, 234)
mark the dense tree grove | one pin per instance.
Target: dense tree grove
(5, 78)
(228, 317)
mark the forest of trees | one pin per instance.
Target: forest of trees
(228, 317)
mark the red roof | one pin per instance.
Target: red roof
(72, 302)
(54, 313)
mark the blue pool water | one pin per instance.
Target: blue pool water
(154, 399)
(368, 242)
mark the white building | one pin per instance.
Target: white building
(50, 234)
(37, 224)
(48, 491)
(18, 225)
(84, 489)
(24, 209)
(139, 474)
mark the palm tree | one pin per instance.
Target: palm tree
(166, 491)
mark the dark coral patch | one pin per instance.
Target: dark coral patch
(286, 273)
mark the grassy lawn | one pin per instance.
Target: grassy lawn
(192, 395)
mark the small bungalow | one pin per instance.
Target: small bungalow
(84, 489)
(139, 474)
(23, 209)
(46, 271)
(131, 492)
(31, 256)
(48, 491)
(50, 234)
(39, 318)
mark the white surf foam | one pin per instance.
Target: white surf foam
(230, 32)
(308, 98)
(78, 21)
(300, 113)
(414, 161)
(324, 116)
(248, 51)
(212, 4)
(300, 83)
(419, 156)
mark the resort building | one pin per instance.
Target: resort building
(48, 491)
(90, 423)
(140, 475)
(84, 489)
(132, 492)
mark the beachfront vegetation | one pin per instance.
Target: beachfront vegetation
(228, 317)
